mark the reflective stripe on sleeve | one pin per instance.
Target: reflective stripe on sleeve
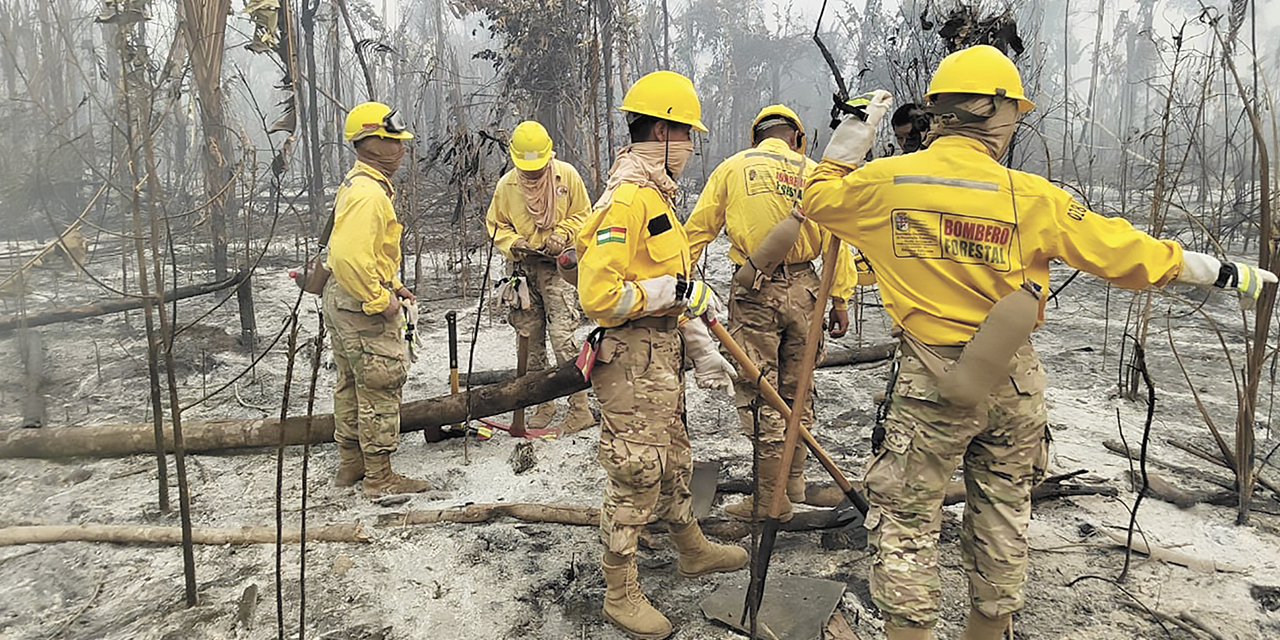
(625, 302)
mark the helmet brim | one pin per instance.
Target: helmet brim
(530, 165)
(380, 133)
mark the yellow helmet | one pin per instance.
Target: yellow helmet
(981, 69)
(666, 95)
(773, 112)
(530, 146)
(375, 119)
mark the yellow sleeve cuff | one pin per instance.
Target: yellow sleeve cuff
(378, 304)
(839, 304)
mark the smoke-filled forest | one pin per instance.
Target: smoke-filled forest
(167, 413)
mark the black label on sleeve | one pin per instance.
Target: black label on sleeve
(659, 225)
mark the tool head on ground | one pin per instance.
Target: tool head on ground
(982, 70)
(375, 119)
(530, 146)
(665, 95)
(795, 608)
(776, 115)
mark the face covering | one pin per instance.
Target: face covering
(678, 154)
(645, 164)
(383, 154)
(540, 195)
(994, 131)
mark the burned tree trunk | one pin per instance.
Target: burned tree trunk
(214, 435)
(32, 346)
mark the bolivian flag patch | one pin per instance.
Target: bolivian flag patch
(611, 234)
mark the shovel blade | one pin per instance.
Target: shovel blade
(706, 475)
(760, 567)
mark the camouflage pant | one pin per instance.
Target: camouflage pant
(370, 355)
(771, 325)
(644, 446)
(1005, 449)
(554, 313)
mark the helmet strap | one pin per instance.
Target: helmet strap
(964, 116)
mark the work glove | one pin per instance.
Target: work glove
(710, 369)
(1204, 270)
(851, 141)
(1245, 278)
(669, 292)
(521, 247)
(555, 244)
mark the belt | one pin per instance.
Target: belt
(787, 270)
(661, 323)
(948, 352)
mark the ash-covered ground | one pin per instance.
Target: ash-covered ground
(509, 579)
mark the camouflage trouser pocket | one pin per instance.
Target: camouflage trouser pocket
(383, 364)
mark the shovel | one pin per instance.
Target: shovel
(775, 400)
(794, 430)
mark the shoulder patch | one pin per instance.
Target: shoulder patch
(625, 193)
(607, 235)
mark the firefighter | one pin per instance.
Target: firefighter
(949, 231)
(362, 306)
(747, 195)
(537, 209)
(634, 279)
(910, 127)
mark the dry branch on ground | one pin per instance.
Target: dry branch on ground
(142, 534)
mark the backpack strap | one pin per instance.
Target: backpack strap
(333, 213)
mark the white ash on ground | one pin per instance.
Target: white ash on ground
(508, 579)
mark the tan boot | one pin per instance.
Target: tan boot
(699, 556)
(380, 480)
(768, 473)
(579, 416)
(624, 602)
(908, 633)
(795, 481)
(980, 627)
(542, 418)
(350, 464)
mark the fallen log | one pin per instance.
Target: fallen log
(835, 358)
(1161, 489)
(1203, 565)
(104, 307)
(33, 406)
(1209, 456)
(1118, 448)
(142, 534)
(215, 435)
(859, 355)
(588, 517)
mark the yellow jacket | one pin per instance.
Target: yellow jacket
(949, 231)
(364, 249)
(747, 195)
(635, 237)
(508, 219)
